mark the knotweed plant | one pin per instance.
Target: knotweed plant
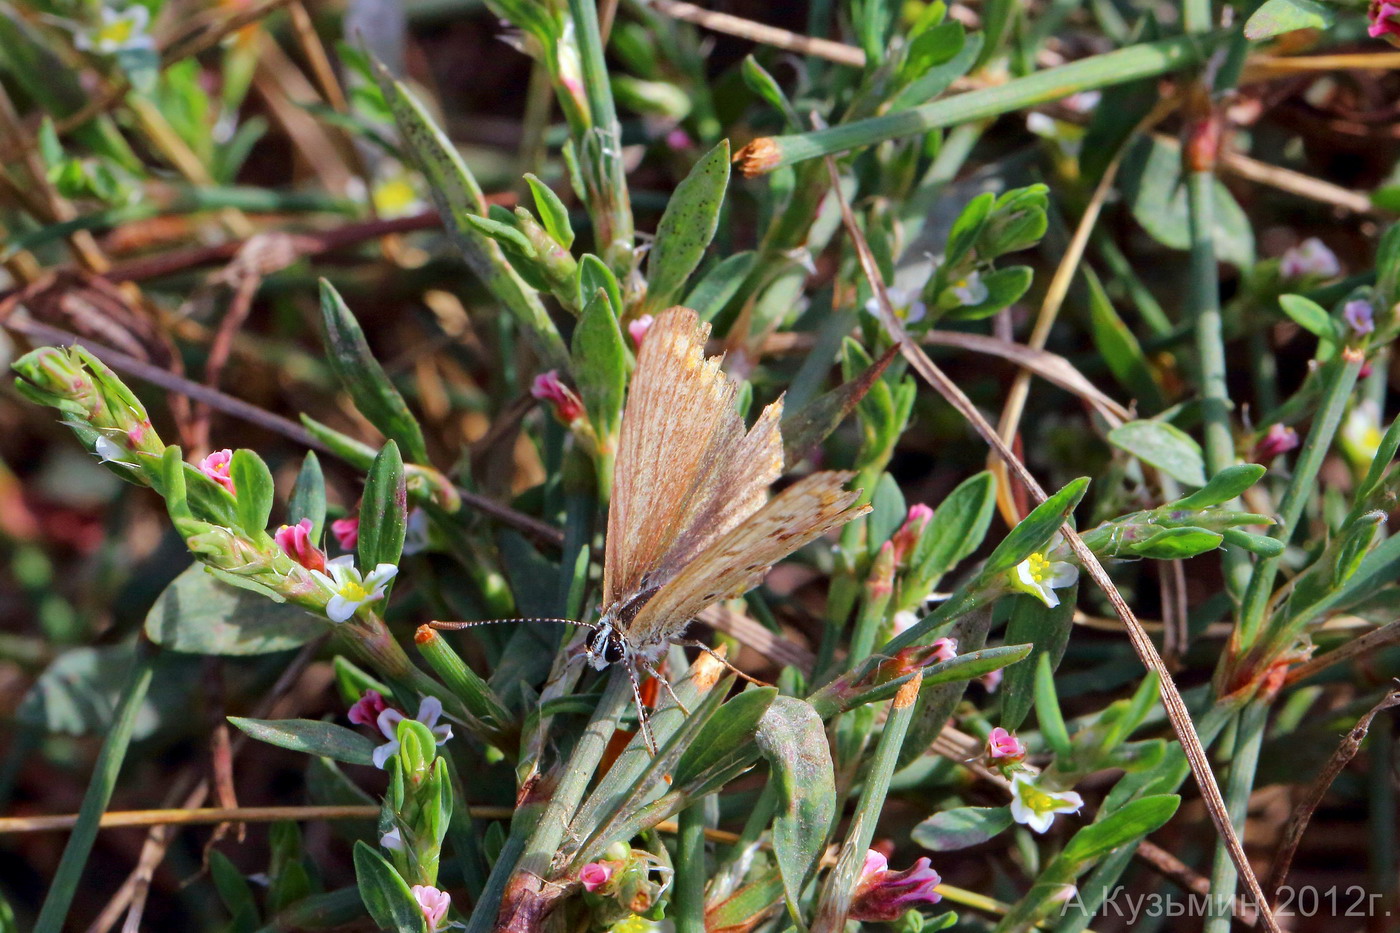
(880, 734)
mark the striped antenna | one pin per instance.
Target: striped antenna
(454, 626)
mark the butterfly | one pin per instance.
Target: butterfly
(690, 521)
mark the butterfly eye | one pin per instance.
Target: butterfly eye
(613, 652)
(591, 640)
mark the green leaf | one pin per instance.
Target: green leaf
(1263, 545)
(1047, 709)
(1155, 190)
(1276, 17)
(687, 227)
(1034, 531)
(931, 48)
(594, 274)
(1175, 543)
(961, 828)
(383, 511)
(67, 878)
(765, 86)
(234, 891)
(1223, 487)
(1164, 446)
(750, 903)
(505, 234)
(252, 483)
(197, 614)
(956, 529)
(1004, 287)
(553, 214)
(1309, 315)
(600, 363)
(719, 284)
(1119, 347)
(938, 78)
(967, 228)
(793, 738)
(1047, 631)
(731, 727)
(311, 736)
(1132, 821)
(386, 896)
(362, 376)
(308, 499)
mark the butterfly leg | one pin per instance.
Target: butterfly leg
(692, 643)
(664, 683)
(643, 721)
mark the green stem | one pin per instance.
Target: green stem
(1300, 489)
(841, 883)
(553, 824)
(66, 879)
(1238, 788)
(1206, 321)
(1146, 60)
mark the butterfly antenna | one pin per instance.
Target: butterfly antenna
(643, 721)
(454, 626)
(691, 643)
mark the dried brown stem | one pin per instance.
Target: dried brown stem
(1385, 635)
(1298, 822)
(1177, 712)
(837, 52)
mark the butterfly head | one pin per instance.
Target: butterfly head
(605, 645)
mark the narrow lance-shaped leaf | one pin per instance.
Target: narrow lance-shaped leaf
(553, 214)
(360, 373)
(687, 227)
(311, 736)
(308, 498)
(1034, 531)
(1048, 631)
(793, 739)
(803, 430)
(383, 511)
(600, 363)
(386, 896)
(961, 828)
(1164, 446)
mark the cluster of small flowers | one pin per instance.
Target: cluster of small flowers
(371, 709)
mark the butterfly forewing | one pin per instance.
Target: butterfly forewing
(737, 561)
(685, 469)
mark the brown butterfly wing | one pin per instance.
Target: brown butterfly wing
(679, 419)
(738, 561)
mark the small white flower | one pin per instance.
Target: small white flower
(905, 302)
(429, 711)
(1360, 436)
(1040, 576)
(1042, 124)
(970, 290)
(109, 451)
(392, 840)
(349, 589)
(121, 30)
(904, 620)
(1035, 807)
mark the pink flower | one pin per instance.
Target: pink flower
(678, 140)
(1279, 439)
(991, 680)
(216, 467)
(1385, 20)
(594, 875)
(945, 649)
(1003, 745)
(347, 532)
(1311, 257)
(296, 541)
(548, 388)
(366, 710)
(638, 329)
(434, 904)
(882, 896)
(909, 533)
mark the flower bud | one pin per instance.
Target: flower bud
(365, 711)
(1360, 317)
(1385, 21)
(883, 896)
(547, 387)
(1004, 748)
(880, 583)
(595, 874)
(347, 532)
(638, 329)
(907, 537)
(1279, 439)
(296, 541)
(434, 904)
